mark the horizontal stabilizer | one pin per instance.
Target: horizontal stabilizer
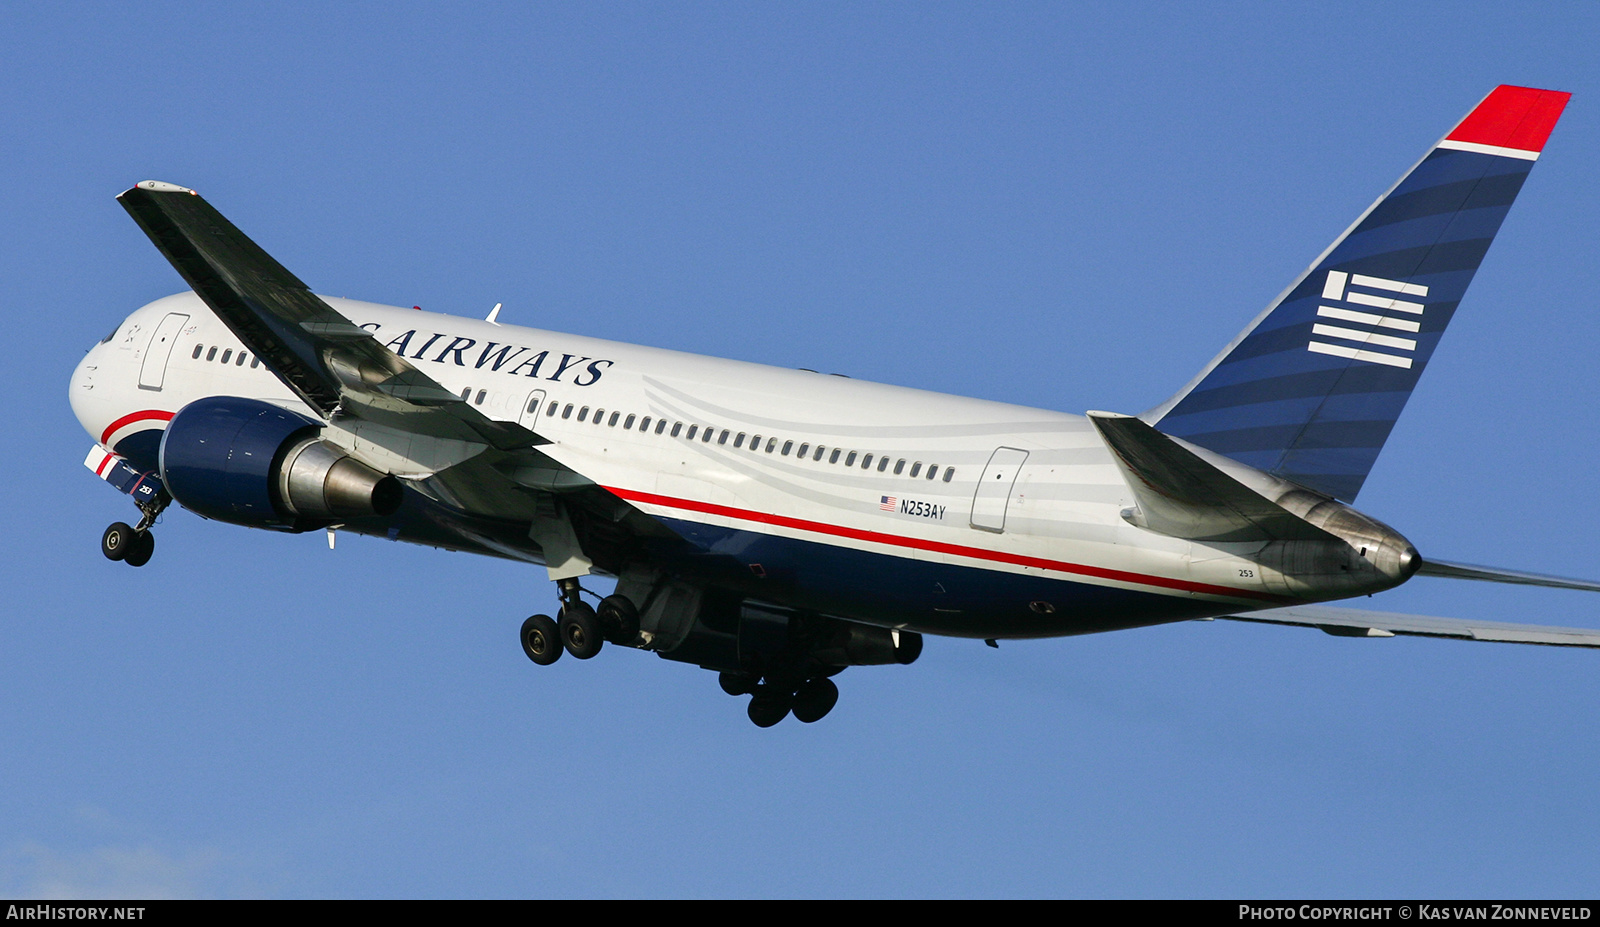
(1182, 495)
(1494, 575)
(1353, 622)
(325, 358)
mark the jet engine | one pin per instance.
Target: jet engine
(252, 463)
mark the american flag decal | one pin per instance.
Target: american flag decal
(887, 503)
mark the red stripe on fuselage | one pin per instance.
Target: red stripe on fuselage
(150, 415)
(976, 553)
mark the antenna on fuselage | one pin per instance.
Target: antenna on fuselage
(493, 313)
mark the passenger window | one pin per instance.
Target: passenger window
(705, 437)
(866, 462)
(723, 438)
(660, 425)
(551, 412)
(614, 417)
(628, 425)
(883, 464)
(771, 443)
(240, 361)
(676, 427)
(567, 412)
(211, 355)
(197, 349)
(932, 470)
(255, 362)
(738, 440)
(533, 405)
(599, 416)
(227, 355)
(803, 448)
(851, 460)
(787, 445)
(899, 466)
(690, 435)
(818, 454)
(583, 415)
(948, 473)
(916, 468)
(482, 393)
(834, 457)
(467, 391)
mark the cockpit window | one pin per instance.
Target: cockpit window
(111, 334)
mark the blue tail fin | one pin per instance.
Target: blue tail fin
(1312, 388)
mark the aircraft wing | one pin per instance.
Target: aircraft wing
(1354, 622)
(378, 401)
(332, 364)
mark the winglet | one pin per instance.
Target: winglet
(1511, 121)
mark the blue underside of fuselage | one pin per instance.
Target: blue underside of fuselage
(924, 595)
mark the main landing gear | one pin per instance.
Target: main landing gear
(580, 629)
(134, 545)
(773, 699)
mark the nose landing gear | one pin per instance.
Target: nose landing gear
(134, 545)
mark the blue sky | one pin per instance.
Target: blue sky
(1071, 206)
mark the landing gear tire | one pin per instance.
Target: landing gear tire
(117, 540)
(736, 683)
(769, 706)
(619, 617)
(580, 630)
(541, 640)
(141, 547)
(815, 699)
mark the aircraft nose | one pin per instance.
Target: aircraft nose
(82, 388)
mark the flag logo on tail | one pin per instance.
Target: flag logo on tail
(1382, 314)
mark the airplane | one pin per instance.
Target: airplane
(779, 526)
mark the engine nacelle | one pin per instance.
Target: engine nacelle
(251, 463)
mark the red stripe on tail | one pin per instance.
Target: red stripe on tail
(1513, 117)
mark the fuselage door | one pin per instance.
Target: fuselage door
(994, 489)
(529, 416)
(154, 371)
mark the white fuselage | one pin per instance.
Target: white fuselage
(738, 450)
